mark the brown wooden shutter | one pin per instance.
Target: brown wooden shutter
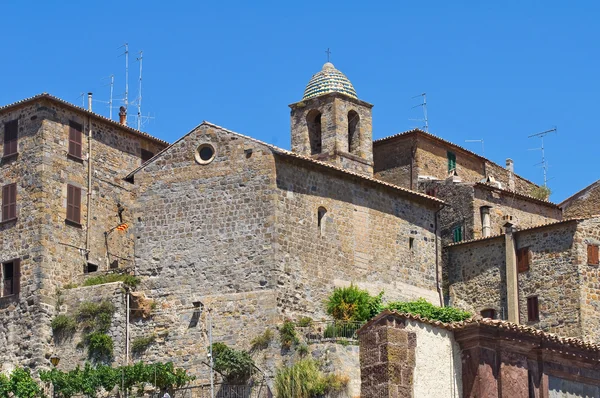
(75, 135)
(523, 259)
(74, 204)
(11, 134)
(17, 276)
(9, 202)
(533, 312)
(592, 251)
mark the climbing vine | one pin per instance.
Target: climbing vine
(19, 384)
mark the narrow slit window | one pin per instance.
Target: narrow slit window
(321, 220)
(73, 204)
(11, 278)
(313, 121)
(11, 134)
(592, 253)
(353, 132)
(75, 134)
(411, 243)
(533, 311)
(9, 202)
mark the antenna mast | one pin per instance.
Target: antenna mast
(482, 147)
(126, 53)
(139, 98)
(110, 101)
(543, 163)
(424, 106)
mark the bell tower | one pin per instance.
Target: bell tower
(331, 124)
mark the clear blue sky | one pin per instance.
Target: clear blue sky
(497, 71)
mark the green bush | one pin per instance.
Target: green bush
(287, 335)
(63, 325)
(19, 384)
(141, 344)
(236, 366)
(304, 379)
(427, 310)
(96, 319)
(99, 344)
(128, 280)
(353, 304)
(261, 341)
(304, 322)
(541, 192)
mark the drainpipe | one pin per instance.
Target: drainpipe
(437, 256)
(512, 286)
(89, 181)
(127, 329)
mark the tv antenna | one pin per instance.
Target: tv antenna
(424, 106)
(544, 163)
(126, 54)
(139, 98)
(482, 147)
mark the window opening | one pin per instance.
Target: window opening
(9, 202)
(75, 135)
(488, 313)
(11, 134)
(486, 224)
(451, 161)
(146, 155)
(205, 153)
(313, 121)
(73, 204)
(8, 279)
(457, 234)
(592, 254)
(533, 312)
(523, 259)
(91, 267)
(411, 243)
(321, 220)
(353, 133)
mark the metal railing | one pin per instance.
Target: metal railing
(334, 331)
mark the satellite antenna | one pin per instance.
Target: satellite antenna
(424, 106)
(482, 147)
(544, 163)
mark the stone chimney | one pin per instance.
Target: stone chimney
(123, 116)
(510, 166)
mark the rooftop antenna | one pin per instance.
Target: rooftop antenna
(482, 147)
(110, 101)
(139, 98)
(126, 54)
(328, 54)
(424, 105)
(543, 162)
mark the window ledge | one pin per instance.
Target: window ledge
(73, 223)
(6, 300)
(75, 158)
(9, 158)
(9, 221)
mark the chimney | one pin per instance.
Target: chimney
(123, 116)
(90, 102)
(510, 166)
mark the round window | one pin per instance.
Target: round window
(205, 153)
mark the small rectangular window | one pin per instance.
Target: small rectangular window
(488, 313)
(411, 243)
(11, 274)
(451, 161)
(533, 312)
(75, 134)
(9, 202)
(146, 155)
(11, 134)
(457, 234)
(523, 259)
(73, 204)
(592, 252)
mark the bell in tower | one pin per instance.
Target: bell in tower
(331, 124)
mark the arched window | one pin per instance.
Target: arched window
(353, 133)
(313, 121)
(321, 220)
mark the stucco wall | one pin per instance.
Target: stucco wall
(438, 369)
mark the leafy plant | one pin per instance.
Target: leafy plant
(287, 335)
(99, 344)
(21, 384)
(96, 318)
(140, 344)
(236, 366)
(541, 192)
(304, 379)
(304, 322)
(261, 341)
(70, 286)
(302, 350)
(427, 310)
(353, 304)
(63, 325)
(128, 280)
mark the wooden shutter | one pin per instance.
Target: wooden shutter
(11, 134)
(523, 259)
(9, 202)
(592, 252)
(75, 135)
(74, 204)
(533, 312)
(451, 161)
(17, 276)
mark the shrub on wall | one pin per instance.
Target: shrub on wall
(63, 325)
(19, 384)
(353, 304)
(261, 341)
(427, 310)
(95, 319)
(141, 344)
(128, 280)
(304, 379)
(236, 366)
(287, 335)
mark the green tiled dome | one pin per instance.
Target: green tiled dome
(329, 80)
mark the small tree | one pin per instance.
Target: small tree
(353, 304)
(542, 192)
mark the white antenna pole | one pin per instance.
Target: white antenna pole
(424, 106)
(110, 101)
(482, 146)
(126, 54)
(544, 163)
(139, 99)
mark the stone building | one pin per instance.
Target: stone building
(406, 356)
(544, 276)
(584, 203)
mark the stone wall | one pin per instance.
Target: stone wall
(501, 175)
(477, 276)
(370, 235)
(393, 161)
(585, 203)
(588, 233)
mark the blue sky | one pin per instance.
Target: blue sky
(497, 71)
